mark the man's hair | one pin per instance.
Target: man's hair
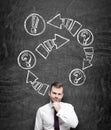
(56, 85)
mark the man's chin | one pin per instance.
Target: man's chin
(55, 101)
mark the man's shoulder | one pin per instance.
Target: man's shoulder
(65, 104)
(44, 107)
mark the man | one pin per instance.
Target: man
(45, 119)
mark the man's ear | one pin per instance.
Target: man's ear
(49, 92)
(62, 95)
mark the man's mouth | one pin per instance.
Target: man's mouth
(56, 100)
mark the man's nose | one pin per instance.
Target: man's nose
(56, 96)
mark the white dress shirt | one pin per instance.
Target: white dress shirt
(45, 117)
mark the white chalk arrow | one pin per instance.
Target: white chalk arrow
(59, 41)
(31, 78)
(56, 21)
(89, 52)
(86, 64)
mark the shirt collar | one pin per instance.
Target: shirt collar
(50, 104)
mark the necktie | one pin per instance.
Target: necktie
(56, 121)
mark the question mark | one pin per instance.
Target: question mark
(78, 76)
(86, 35)
(27, 58)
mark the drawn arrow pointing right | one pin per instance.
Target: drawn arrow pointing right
(59, 41)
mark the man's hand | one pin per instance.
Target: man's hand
(56, 106)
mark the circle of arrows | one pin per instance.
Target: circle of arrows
(35, 25)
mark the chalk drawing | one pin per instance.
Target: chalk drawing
(67, 23)
(41, 88)
(89, 52)
(85, 37)
(34, 24)
(47, 46)
(31, 78)
(42, 50)
(37, 85)
(60, 41)
(75, 27)
(26, 59)
(56, 21)
(77, 77)
(86, 64)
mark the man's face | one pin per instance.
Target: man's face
(56, 94)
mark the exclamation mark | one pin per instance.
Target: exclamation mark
(35, 21)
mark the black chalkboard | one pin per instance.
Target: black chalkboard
(42, 41)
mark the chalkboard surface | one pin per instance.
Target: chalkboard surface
(42, 41)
